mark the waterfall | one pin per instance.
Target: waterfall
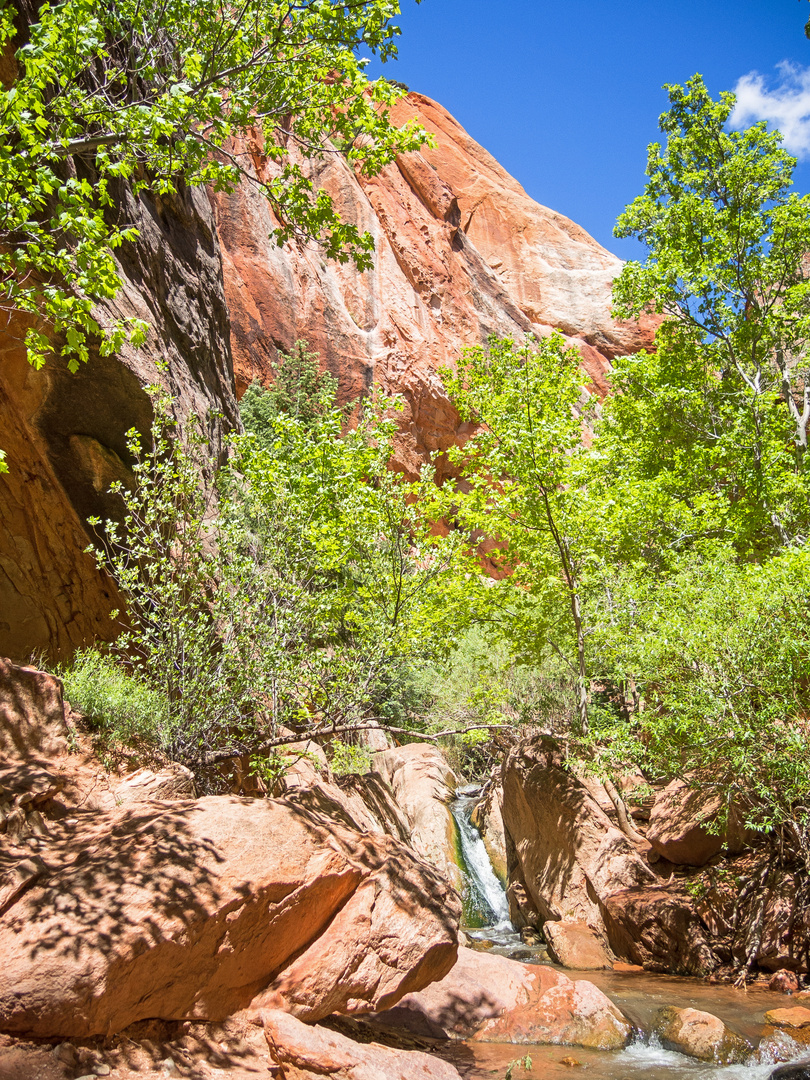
(485, 901)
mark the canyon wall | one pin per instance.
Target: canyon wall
(461, 252)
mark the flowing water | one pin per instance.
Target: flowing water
(639, 996)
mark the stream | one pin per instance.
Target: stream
(639, 996)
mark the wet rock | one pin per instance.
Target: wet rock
(190, 910)
(575, 945)
(797, 1017)
(310, 1053)
(796, 1071)
(490, 998)
(423, 785)
(487, 817)
(678, 825)
(784, 982)
(700, 1035)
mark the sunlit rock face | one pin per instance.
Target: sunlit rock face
(461, 252)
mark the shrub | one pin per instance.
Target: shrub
(120, 707)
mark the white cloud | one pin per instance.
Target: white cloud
(786, 106)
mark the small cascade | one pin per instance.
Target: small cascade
(485, 903)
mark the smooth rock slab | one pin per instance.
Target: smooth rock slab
(797, 1017)
(310, 1052)
(191, 909)
(575, 945)
(700, 1035)
(490, 998)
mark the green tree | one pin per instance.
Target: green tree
(158, 95)
(728, 385)
(519, 488)
(303, 596)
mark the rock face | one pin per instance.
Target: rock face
(490, 998)
(307, 1053)
(461, 252)
(659, 928)
(567, 854)
(65, 435)
(193, 908)
(423, 784)
(701, 1035)
(678, 821)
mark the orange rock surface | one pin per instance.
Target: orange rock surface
(461, 252)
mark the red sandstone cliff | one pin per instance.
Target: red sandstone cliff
(461, 252)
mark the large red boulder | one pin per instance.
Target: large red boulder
(310, 1053)
(681, 828)
(660, 929)
(490, 998)
(191, 909)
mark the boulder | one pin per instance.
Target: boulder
(32, 714)
(798, 1070)
(567, 852)
(168, 784)
(678, 825)
(660, 929)
(310, 1053)
(575, 945)
(490, 998)
(784, 982)
(487, 817)
(193, 909)
(423, 785)
(700, 1035)
(797, 1017)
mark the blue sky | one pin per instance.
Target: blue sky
(566, 93)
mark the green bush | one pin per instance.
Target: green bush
(121, 708)
(346, 759)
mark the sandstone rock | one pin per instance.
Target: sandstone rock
(700, 1035)
(677, 826)
(32, 714)
(171, 782)
(65, 434)
(423, 785)
(309, 1053)
(490, 998)
(567, 853)
(461, 252)
(797, 1017)
(487, 817)
(659, 928)
(192, 910)
(385, 814)
(575, 945)
(785, 938)
(784, 982)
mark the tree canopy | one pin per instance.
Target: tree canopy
(156, 94)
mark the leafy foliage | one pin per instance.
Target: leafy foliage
(124, 710)
(300, 597)
(519, 487)
(728, 387)
(157, 94)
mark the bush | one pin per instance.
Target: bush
(122, 709)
